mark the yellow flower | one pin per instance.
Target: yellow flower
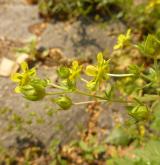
(23, 78)
(75, 70)
(123, 40)
(98, 72)
(152, 4)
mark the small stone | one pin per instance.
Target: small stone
(54, 58)
(23, 57)
(56, 54)
(7, 67)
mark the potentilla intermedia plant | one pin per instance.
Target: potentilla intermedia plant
(98, 85)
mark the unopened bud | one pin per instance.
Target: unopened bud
(140, 112)
(33, 92)
(63, 72)
(64, 102)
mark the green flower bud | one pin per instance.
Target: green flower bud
(91, 85)
(140, 112)
(33, 92)
(64, 102)
(69, 85)
(63, 72)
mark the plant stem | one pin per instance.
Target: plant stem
(56, 86)
(88, 102)
(120, 75)
(57, 93)
(87, 94)
(102, 98)
(84, 80)
(145, 77)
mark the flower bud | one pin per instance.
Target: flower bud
(63, 72)
(139, 112)
(91, 85)
(33, 92)
(64, 102)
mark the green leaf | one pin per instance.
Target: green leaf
(84, 146)
(89, 157)
(150, 47)
(155, 125)
(151, 153)
(125, 161)
(118, 136)
(100, 149)
(147, 98)
(109, 91)
(135, 69)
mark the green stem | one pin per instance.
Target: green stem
(145, 77)
(102, 98)
(87, 94)
(156, 63)
(57, 93)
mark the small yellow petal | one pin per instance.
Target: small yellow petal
(74, 64)
(91, 70)
(100, 58)
(17, 89)
(16, 77)
(24, 66)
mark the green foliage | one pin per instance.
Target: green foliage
(144, 15)
(30, 49)
(119, 136)
(139, 112)
(150, 47)
(75, 8)
(149, 155)
(90, 149)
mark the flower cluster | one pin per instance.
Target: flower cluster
(29, 85)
